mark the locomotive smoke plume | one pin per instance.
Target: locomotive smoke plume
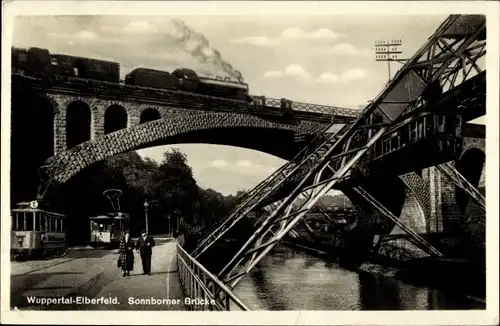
(196, 44)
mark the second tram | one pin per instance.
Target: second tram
(106, 230)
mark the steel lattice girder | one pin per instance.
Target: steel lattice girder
(263, 191)
(459, 180)
(407, 90)
(293, 169)
(415, 238)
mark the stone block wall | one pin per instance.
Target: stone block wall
(73, 160)
(445, 213)
(134, 110)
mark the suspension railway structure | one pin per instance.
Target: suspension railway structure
(440, 79)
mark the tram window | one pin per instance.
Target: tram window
(95, 226)
(105, 227)
(19, 224)
(37, 221)
(29, 221)
(15, 221)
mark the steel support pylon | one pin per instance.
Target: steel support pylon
(415, 238)
(331, 162)
(461, 182)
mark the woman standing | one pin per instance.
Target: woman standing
(126, 254)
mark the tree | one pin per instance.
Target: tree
(174, 188)
(169, 187)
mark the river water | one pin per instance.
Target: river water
(292, 279)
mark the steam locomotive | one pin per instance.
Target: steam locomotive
(33, 61)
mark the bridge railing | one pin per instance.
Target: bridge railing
(310, 107)
(198, 283)
(166, 95)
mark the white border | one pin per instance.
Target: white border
(491, 9)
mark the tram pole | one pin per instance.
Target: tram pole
(169, 230)
(146, 205)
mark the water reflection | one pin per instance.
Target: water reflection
(289, 279)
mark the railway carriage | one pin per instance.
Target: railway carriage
(151, 78)
(37, 232)
(37, 61)
(40, 63)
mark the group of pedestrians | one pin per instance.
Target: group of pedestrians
(144, 245)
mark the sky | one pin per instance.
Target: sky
(326, 60)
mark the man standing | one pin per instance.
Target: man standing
(145, 245)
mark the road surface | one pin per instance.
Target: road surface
(70, 283)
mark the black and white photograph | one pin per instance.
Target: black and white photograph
(249, 161)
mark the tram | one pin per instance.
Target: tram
(106, 230)
(36, 232)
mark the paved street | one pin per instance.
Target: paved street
(94, 274)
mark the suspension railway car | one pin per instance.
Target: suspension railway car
(425, 141)
(106, 230)
(36, 232)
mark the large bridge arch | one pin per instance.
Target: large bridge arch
(178, 129)
(399, 197)
(470, 165)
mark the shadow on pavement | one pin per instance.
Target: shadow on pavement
(72, 254)
(23, 283)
